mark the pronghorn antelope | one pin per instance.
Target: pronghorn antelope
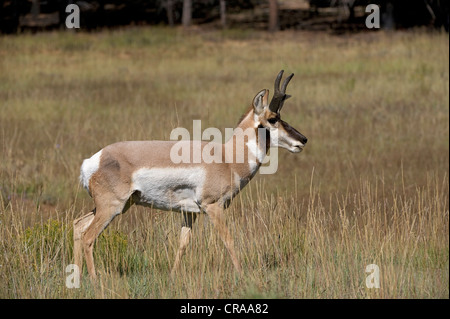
(142, 173)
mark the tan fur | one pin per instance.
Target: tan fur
(111, 186)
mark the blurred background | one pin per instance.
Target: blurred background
(20, 15)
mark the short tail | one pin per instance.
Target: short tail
(88, 168)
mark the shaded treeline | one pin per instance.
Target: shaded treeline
(272, 15)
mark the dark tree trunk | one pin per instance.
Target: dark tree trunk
(223, 13)
(388, 19)
(273, 15)
(169, 9)
(35, 8)
(187, 13)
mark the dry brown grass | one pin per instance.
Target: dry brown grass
(370, 187)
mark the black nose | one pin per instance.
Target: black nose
(304, 140)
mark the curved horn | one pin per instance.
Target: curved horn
(279, 96)
(286, 82)
(278, 80)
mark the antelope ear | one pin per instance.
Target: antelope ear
(261, 101)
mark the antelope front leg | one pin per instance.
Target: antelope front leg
(216, 215)
(188, 220)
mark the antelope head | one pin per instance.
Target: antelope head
(267, 115)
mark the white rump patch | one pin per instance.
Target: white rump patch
(176, 189)
(89, 167)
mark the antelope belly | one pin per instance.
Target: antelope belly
(177, 189)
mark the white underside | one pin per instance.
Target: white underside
(255, 154)
(176, 189)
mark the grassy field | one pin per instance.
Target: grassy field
(371, 187)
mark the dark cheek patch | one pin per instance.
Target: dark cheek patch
(267, 134)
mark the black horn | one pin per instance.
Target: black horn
(279, 95)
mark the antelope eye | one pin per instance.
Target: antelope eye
(272, 120)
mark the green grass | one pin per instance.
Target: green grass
(370, 187)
